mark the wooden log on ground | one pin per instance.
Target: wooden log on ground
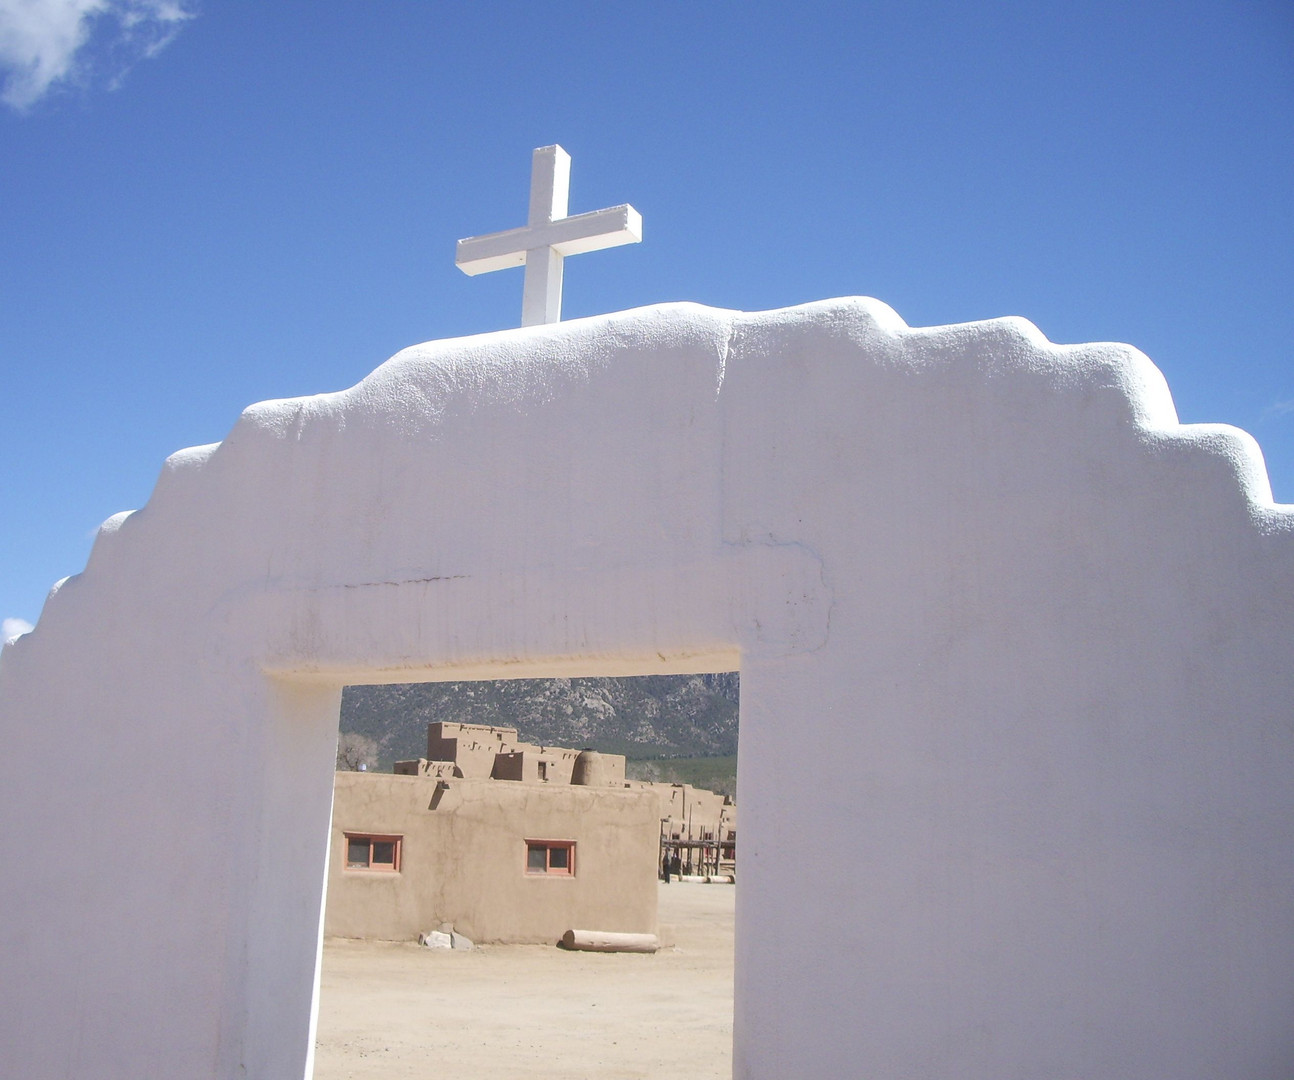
(606, 941)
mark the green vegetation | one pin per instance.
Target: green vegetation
(712, 773)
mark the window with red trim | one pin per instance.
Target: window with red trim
(551, 857)
(368, 852)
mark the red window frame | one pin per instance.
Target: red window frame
(567, 847)
(373, 839)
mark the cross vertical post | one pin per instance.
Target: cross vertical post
(548, 236)
(550, 185)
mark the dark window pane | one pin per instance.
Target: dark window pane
(537, 858)
(557, 858)
(384, 852)
(356, 852)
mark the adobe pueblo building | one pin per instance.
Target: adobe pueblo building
(482, 751)
(698, 829)
(511, 842)
(505, 840)
(1036, 632)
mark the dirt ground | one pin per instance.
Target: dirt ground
(501, 1012)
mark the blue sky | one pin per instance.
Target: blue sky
(205, 203)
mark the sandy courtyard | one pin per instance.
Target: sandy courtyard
(389, 1011)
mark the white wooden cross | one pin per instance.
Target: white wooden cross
(547, 237)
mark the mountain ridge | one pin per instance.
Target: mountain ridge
(648, 716)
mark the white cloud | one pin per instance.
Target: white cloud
(1279, 408)
(43, 42)
(13, 629)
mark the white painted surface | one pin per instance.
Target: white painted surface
(548, 237)
(1035, 635)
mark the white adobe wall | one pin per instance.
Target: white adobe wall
(1043, 631)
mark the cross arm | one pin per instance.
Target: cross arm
(568, 236)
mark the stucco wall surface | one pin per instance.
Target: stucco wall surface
(1039, 633)
(464, 859)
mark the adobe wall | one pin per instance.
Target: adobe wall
(682, 805)
(479, 751)
(464, 859)
(1043, 631)
(472, 747)
(524, 764)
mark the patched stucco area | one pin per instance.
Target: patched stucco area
(1034, 634)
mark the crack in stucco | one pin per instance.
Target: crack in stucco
(405, 581)
(724, 352)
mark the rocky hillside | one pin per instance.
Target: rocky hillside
(652, 716)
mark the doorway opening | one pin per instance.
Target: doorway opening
(485, 819)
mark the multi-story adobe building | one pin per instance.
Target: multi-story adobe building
(507, 841)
